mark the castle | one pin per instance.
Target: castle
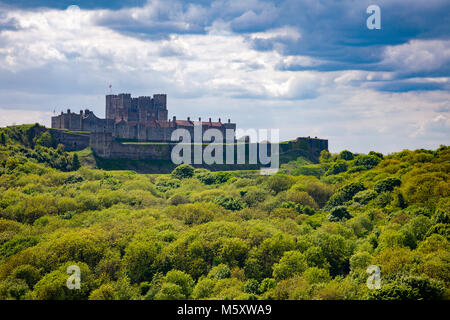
(140, 129)
(135, 119)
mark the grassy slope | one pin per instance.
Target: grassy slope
(227, 236)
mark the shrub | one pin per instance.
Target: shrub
(301, 197)
(229, 203)
(320, 192)
(363, 197)
(279, 182)
(346, 155)
(181, 279)
(367, 161)
(337, 167)
(254, 195)
(183, 171)
(345, 194)
(316, 275)
(325, 156)
(309, 170)
(409, 288)
(177, 199)
(251, 286)
(222, 271)
(104, 292)
(164, 184)
(222, 177)
(292, 264)
(387, 184)
(195, 213)
(139, 259)
(53, 286)
(339, 213)
(206, 177)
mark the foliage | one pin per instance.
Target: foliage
(339, 213)
(183, 171)
(387, 184)
(200, 234)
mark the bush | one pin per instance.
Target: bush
(320, 192)
(309, 170)
(222, 271)
(301, 197)
(180, 279)
(387, 184)
(183, 171)
(339, 213)
(195, 213)
(363, 197)
(222, 177)
(254, 195)
(316, 275)
(279, 182)
(105, 292)
(139, 260)
(53, 286)
(177, 199)
(337, 167)
(229, 203)
(251, 286)
(345, 194)
(292, 264)
(410, 288)
(206, 177)
(346, 155)
(367, 161)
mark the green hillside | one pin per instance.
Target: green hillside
(309, 232)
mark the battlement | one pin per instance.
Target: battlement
(144, 119)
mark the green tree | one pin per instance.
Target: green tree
(279, 182)
(346, 155)
(183, 171)
(292, 264)
(325, 156)
(139, 259)
(53, 286)
(2, 139)
(75, 162)
(339, 213)
(337, 167)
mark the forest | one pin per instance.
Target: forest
(307, 232)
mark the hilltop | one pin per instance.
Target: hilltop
(309, 232)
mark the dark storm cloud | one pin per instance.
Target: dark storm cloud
(84, 4)
(332, 31)
(405, 86)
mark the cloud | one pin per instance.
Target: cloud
(63, 4)
(307, 67)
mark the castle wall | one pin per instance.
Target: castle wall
(71, 141)
(104, 146)
(144, 119)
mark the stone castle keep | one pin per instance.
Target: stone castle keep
(140, 129)
(139, 119)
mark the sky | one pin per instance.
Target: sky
(305, 67)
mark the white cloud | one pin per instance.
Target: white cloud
(218, 73)
(418, 56)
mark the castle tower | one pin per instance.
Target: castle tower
(118, 106)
